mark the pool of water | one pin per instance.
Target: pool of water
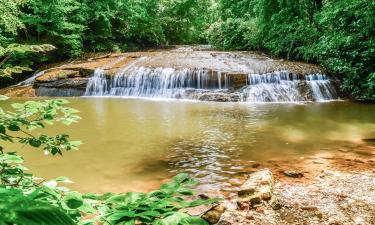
(135, 144)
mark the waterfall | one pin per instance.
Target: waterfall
(98, 84)
(151, 82)
(31, 79)
(279, 86)
(321, 87)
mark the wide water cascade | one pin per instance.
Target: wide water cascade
(278, 86)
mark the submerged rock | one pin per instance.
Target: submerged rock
(219, 97)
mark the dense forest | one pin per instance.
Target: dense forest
(338, 34)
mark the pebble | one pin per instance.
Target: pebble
(292, 173)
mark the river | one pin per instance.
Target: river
(135, 144)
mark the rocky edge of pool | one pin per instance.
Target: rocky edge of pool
(320, 189)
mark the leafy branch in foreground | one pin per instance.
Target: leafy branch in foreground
(28, 200)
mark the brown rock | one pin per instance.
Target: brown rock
(274, 203)
(258, 187)
(294, 174)
(213, 215)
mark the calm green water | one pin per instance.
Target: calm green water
(134, 144)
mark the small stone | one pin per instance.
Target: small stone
(260, 210)
(310, 208)
(243, 205)
(255, 199)
(213, 215)
(275, 204)
(235, 182)
(319, 215)
(250, 217)
(255, 165)
(203, 196)
(294, 174)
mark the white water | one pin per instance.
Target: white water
(30, 80)
(280, 86)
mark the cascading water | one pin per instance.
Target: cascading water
(279, 86)
(98, 84)
(154, 82)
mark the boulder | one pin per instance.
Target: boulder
(257, 188)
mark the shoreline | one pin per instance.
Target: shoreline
(322, 189)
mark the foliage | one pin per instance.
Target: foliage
(338, 34)
(107, 25)
(27, 200)
(9, 20)
(184, 21)
(56, 22)
(17, 58)
(347, 45)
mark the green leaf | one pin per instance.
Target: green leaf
(193, 221)
(203, 202)
(17, 105)
(3, 98)
(73, 200)
(35, 143)
(180, 178)
(13, 127)
(42, 214)
(119, 215)
(63, 180)
(2, 129)
(185, 191)
(173, 219)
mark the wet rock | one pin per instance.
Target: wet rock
(58, 92)
(213, 215)
(218, 97)
(292, 173)
(64, 83)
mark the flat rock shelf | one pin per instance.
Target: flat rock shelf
(186, 73)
